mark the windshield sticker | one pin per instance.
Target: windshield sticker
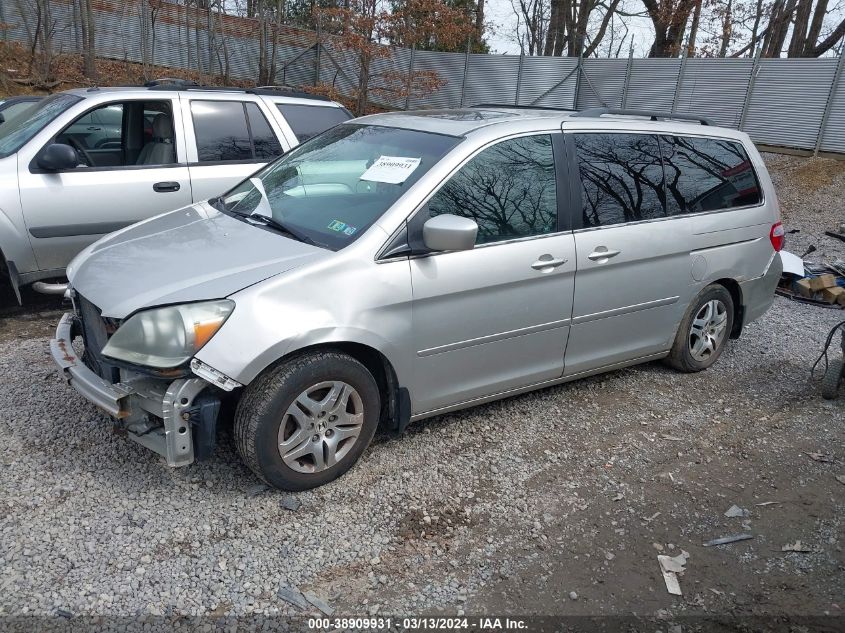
(393, 170)
(342, 227)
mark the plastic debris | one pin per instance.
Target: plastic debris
(767, 503)
(317, 602)
(795, 547)
(292, 595)
(728, 539)
(820, 457)
(670, 567)
(735, 511)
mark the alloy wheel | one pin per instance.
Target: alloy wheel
(321, 426)
(708, 330)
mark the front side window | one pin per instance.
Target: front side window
(509, 189)
(123, 134)
(331, 189)
(621, 178)
(307, 120)
(705, 174)
(232, 131)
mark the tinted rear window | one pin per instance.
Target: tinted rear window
(621, 178)
(266, 144)
(307, 121)
(221, 131)
(705, 174)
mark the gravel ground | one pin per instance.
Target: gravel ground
(557, 502)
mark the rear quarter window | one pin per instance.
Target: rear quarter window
(307, 120)
(705, 174)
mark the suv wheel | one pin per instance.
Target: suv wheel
(704, 330)
(305, 422)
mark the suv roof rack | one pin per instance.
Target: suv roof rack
(511, 106)
(654, 116)
(173, 83)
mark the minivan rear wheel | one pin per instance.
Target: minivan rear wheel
(704, 330)
(306, 421)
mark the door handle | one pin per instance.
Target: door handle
(548, 263)
(94, 128)
(165, 187)
(601, 253)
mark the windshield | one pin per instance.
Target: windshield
(14, 135)
(333, 187)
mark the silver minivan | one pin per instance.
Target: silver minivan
(403, 265)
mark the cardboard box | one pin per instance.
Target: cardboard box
(802, 287)
(822, 281)
(831, 295)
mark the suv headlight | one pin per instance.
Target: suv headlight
(168, 337)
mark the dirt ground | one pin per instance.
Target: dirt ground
(554, 503)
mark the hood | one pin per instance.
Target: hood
(193, 254)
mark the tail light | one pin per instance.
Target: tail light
(776, 236)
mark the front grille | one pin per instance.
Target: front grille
(96, 331)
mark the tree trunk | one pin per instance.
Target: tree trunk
(798, 43)
(479, 21)
(693, 31)
(727, 29)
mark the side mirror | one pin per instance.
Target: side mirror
(58, 157)
(449, 232)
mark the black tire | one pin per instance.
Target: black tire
(681, 357)
(264, 404)
(832, 379)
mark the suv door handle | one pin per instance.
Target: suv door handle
(165, 187)
(599, 254)
(549, 263)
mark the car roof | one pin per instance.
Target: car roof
(292, 97)
(463, 121)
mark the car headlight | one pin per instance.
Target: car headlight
(168, 337)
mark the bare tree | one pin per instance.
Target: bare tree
(669, 18)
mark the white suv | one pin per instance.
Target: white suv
(89, 162)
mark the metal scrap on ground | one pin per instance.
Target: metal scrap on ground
(728, 539)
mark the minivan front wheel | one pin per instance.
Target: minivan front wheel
(306, 421)
(704, 331)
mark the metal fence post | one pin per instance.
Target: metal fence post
(751, 80)
(518, 79)
(579, 69)
(466, 69)
(680, 81)
(627, 77)
(837, 77)
(410, 78)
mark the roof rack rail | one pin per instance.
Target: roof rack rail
(654, 116)
(173, 83)
(511, 106)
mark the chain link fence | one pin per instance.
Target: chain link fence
(791, 103)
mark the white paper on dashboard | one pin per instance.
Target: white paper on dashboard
(391, 169)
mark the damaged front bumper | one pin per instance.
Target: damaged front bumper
(176, 419)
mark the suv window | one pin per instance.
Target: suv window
(509, 189)
(621, 178)
(232, 130)
(705, 174)
(123, 133)
(307, 121)
(266, 144)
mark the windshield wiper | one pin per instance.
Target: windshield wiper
(281, 227)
